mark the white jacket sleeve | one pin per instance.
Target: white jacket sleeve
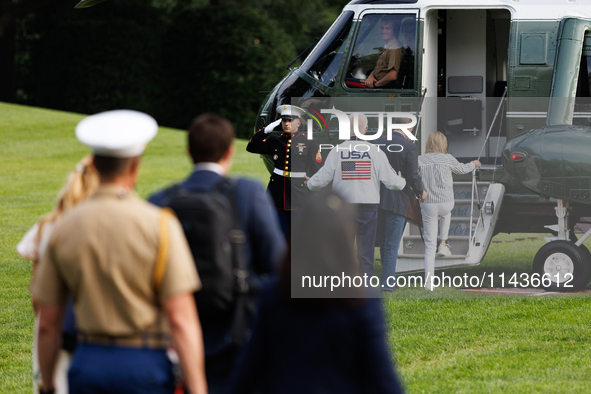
(386, 174)
(326, 173)
(27, 247)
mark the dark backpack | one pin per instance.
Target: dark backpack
(211, 224)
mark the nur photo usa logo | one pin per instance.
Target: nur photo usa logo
(351, 124)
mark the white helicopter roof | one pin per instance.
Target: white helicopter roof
(520, 9)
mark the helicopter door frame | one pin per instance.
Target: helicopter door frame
(465, 68)
(418, 52)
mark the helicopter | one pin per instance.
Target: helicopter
(508, 83)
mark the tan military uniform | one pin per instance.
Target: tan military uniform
(389, 59)
(104, 253)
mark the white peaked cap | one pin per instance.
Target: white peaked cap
(290, 111)
(120, 133)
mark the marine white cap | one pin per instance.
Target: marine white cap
(289, 111)
(120, 133)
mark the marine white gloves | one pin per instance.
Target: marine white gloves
(272, 126)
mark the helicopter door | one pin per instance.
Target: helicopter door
(384, 48)
(465, 65)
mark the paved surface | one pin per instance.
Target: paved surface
(517, 291)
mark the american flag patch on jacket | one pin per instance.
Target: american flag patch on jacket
(351, 170)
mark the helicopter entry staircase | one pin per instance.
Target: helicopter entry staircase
(474, 216)
(475, 213)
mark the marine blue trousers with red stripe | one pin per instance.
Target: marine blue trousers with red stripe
(111, 369)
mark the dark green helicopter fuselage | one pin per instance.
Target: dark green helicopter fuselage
(543, 65)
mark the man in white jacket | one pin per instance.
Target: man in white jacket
(356, 167)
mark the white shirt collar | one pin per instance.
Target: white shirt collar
(210, 166)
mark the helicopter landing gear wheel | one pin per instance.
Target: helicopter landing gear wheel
(563, 266)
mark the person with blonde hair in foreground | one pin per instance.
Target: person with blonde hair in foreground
(436, 167)
(81, 183)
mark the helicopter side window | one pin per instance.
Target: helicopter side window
(583, 94)
(584, 80)
(324, 62)
(384, 51)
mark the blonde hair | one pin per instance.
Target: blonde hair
(81, 183)
(437, 143)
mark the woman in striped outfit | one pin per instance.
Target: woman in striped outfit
(436, 167)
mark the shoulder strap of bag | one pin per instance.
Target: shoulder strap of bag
(172, 193)
(163, 246)
(237, 237)
(414, 209)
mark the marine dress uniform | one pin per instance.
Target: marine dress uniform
(120, 258)
(294, 157)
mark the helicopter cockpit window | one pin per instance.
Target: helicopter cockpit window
(324, 62)
(384, 53)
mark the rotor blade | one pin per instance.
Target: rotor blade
(87, 3)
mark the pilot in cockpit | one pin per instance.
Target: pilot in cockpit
(388, 64)
(394, 67)
(407, 34)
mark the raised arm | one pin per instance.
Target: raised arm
(461, 168)
(257, 143)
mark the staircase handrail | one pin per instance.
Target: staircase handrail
(471, 207)
(493, 122)
(418, 113)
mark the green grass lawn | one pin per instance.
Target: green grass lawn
(469, 343)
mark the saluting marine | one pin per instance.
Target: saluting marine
(294, 157)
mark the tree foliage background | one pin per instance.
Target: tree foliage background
(173, 59)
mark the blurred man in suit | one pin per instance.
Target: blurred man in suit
(394, 203)
(210, 141)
